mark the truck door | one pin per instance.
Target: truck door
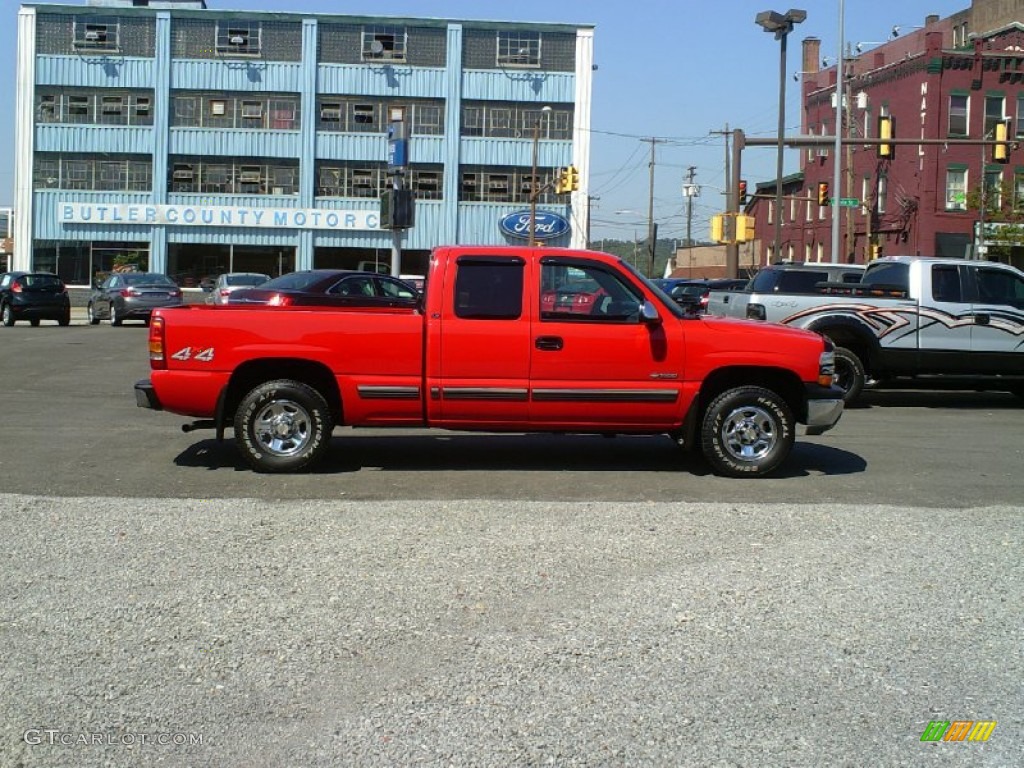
(480, 350)
(997, 335)
(944, 315)
(594, 363)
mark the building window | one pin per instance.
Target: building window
(518, 49)
(958, 114)
(256, 111)
(1018, 191)
(238, 38)
(505, 185)
(956, 189)
(99, 173)
(225, 177)
(426, 185)
(365, 118)
(993, 189)
(384, 43)
(1020, 115)
(883, 192)
(95, 34)
(994, 112)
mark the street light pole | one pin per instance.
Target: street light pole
(534, 187)
(781, 25)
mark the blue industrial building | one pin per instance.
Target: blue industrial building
(177, 138)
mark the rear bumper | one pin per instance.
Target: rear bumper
(824, 407)
(40, 311)
(145, 395)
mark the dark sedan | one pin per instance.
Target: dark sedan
(33, 296)
(327, 288)
(689, 291)
(132, 296)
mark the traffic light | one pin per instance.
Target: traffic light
(718, 228)
(1000, 150)
(823, 198)
(885, 131)
(572, 179)
(743, 193)
(397, 209)
(744, 228)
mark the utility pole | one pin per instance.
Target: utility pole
(590, 200)
(652, 229)
(690, 191)
(732, 248)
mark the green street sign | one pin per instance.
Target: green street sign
(849, 202)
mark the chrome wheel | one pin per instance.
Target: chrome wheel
(283, 428)
(749, 433)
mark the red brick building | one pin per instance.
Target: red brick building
(952, 78)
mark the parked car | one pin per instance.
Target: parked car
(328, 287)
(132, 296)
(778, 282)
(689, 291)
(229, 282)
(33, 296)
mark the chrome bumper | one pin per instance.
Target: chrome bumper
(822, 415)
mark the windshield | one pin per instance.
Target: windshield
(663, 297)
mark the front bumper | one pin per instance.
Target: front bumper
(824, 407)
(145, 395)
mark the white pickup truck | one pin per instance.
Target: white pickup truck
(912, 317)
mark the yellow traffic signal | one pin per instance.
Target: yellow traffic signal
(885, 131)
(744, 228)
(1000, 150)
(572, 179)
(718, 228)
(823, 198)
(562, 181)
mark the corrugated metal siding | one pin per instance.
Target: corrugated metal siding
(46, 226)
(236, 75)
(239, 142)
(94, 138)
(550, 154)
(374, 147)
(94, 72)
(478, 223)
(233, 236)
(363, 80)
(530, 87)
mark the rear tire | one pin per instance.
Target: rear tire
(91, 314)
(7, 315)
(283, 426)
(849, 375)
(114, 319)
(65, 319)
(747, 432)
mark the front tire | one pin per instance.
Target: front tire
(849, 375)
(747, 432)
(283, 426)
(7, 315)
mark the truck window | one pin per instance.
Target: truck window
(946, 283)
(489, 289)
(999, 286)
(584, 292)
(800, 281)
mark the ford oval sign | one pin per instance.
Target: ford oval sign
(546, 225)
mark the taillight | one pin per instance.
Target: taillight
(156, 343)
(279, 301)
(224, 292)
(128, 292)
(16, 287)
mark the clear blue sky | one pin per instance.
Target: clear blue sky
(670, 69)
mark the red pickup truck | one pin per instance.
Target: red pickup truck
(490, 346)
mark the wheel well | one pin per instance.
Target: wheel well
(250, 375)
(863, 344)
(784, 383)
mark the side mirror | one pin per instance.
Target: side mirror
(649, 314)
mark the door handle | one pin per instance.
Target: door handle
(552, 343)
(982, 318)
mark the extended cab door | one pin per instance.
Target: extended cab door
(997, 335)
(594, 363)
(479, 344)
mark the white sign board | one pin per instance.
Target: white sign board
(215, 216)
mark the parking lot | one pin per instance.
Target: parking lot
(459, 599)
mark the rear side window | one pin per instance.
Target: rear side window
(946, 283)
(896, 275)
(489, 289)
(999, 286)
(800, 281)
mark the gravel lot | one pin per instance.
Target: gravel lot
(505, 633)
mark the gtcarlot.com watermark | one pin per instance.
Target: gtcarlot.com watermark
(56, 737)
